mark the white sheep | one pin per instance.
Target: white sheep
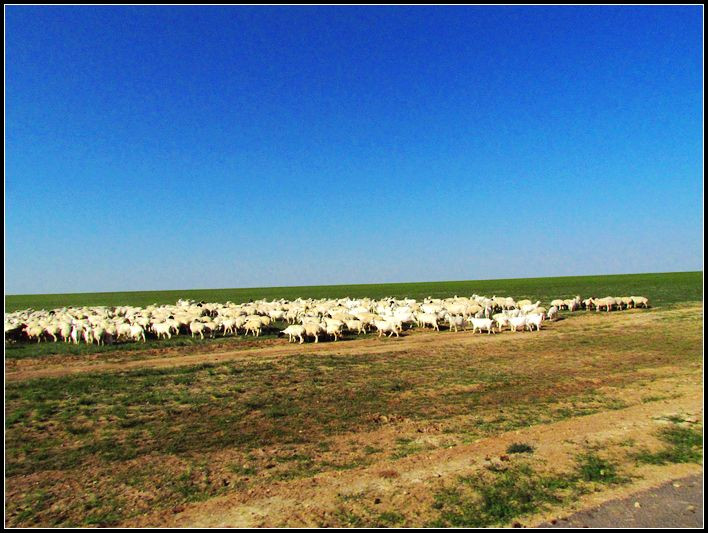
(137, 332)
(34, 331)
(253, 326)
(640, 300)
(428, 319)
(386, 326)
(530, 308)
(313, 329)
(455, 322)
(334, 328)
(607, 303)
(502, 320)
(162, 329)
(517, 322)
(197, 327)
(295, 330)
(355, 325)
(534, 319)
(482, 324)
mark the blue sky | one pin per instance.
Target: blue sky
(204, 147)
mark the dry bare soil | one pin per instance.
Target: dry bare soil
(433, 429)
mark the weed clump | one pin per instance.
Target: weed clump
(496, 498)
(592, 468)
(520, 447)
(684, 445)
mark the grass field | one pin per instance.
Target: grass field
(661, 289)
(433, 429)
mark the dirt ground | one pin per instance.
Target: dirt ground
(309, 502)
(407, 486)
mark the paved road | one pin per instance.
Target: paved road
(678, 503)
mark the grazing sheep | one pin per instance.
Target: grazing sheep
(295, 330)
(517, 322)
(367, 319)
(97, 334)
(334, 328)
(530, 308)
(640, 300)
(137, 332)
(228, 325)
(52, 330)
(313, 329)
(455, 321)
(428, 319)
(317, 316)
(123, 331)
(355, 325)
(384, 326)
(606, 303)
(34, 331)
(624, 302)
(253, 326)
(502, 320)
(197, 327)
(161, 330)
(534, 319)
(482, 324)
(75, 334)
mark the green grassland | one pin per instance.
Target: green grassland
(660, 288)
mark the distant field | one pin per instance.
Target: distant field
(661, 289)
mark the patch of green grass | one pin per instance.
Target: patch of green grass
(593, 468)
(389, 519)
(485, 499)
(32, 503)
(349, 465)
(349, 518)
(520, 447)
(406, 447)
(243, 470)
(683, 445)
(649, 399)
(194, 485)
(15, 416)
(495, 498)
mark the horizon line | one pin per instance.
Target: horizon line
(348, 284)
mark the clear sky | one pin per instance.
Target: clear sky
(208, 147)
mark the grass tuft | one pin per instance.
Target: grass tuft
(684, 445)
(520, 447)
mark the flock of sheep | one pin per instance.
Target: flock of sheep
(328, 318)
